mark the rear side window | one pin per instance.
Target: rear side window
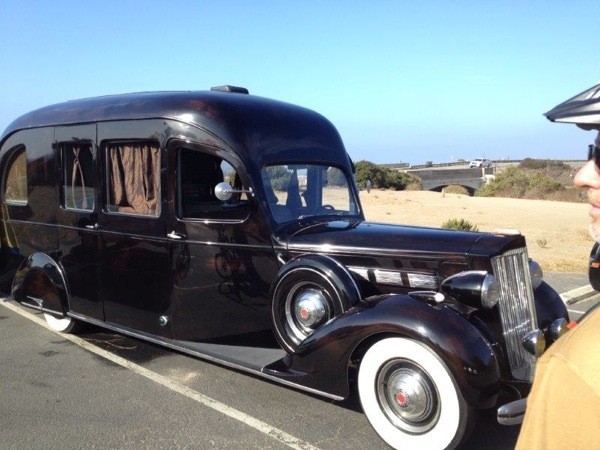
(133, 170)
(15, 186)
(79, 190)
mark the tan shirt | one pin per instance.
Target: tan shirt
(563, 409)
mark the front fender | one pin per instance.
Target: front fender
(328, 352)
(40, 284)
(548, 305)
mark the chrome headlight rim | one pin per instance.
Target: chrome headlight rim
(490, 291)
(536, 274)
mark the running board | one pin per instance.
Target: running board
(252, 360)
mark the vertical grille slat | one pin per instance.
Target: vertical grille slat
(517, 308)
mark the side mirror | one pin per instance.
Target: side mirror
(224, 191)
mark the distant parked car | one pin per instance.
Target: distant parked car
(480, 162)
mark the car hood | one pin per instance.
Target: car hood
(378, 239)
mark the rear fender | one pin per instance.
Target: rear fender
(40, 284)
(330, 351)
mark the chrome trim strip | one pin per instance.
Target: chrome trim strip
(422, 280)
(393, 277)
(419, 280)
(141, 236)
(172, 345)
(367, 251)
(361, 272)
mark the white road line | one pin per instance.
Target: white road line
(258, 425)
(577, 295)
(575, 311)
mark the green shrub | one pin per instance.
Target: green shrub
(456, 189)
(459, 224)
(515, 182)
(398, 180)
(539, 164)
(382, 177)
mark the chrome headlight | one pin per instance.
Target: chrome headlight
(475, 288)
(490, 291)
(537, 275)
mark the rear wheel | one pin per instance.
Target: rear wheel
(61, 324)
(410, 397)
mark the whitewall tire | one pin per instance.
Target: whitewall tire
(64, 325)
(410, 397)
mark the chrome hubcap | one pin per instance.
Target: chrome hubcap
(407, 396)
(310, 308)
(306, 308)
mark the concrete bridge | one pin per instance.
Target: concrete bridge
(437, 179)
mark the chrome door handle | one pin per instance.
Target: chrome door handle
(175, 235)
(92, 227)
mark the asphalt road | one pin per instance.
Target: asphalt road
(104, 390)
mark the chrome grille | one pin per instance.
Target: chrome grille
(517, 308)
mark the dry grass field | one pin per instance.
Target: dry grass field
(556, 232)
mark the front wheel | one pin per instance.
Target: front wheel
(410, 397)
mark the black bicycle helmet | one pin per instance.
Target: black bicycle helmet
(583, 109)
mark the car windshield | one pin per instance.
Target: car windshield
(295, 191)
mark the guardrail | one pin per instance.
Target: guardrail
(407, 166)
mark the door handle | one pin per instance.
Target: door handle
(175, 235)
(92, 227)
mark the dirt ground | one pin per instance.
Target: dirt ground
(556, 232)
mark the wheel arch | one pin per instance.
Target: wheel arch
(40, 283)
(458, 343)
(341, 292)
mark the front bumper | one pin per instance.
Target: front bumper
(534, 342)
(512, 413)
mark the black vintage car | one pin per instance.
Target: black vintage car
(229, 227)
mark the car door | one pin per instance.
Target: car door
(77, 217)
(223, 259)
(134, 248)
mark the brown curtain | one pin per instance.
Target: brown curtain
(135, 176)
(77, 172)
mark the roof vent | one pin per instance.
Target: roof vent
(228, 88)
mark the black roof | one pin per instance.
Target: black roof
(194, 107)
(257, 127)
(582, 109)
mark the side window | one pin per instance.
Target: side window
(79, 191)
(198, 174)
(133, 172)
(15, 183)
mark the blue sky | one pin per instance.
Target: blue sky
(402, 81)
